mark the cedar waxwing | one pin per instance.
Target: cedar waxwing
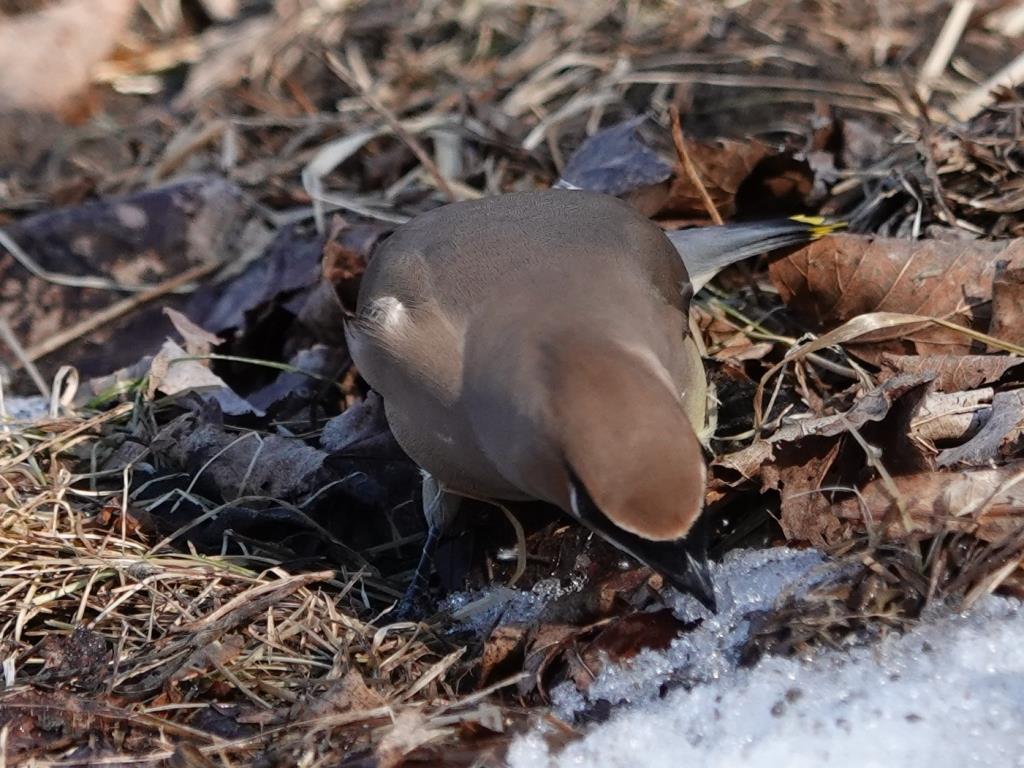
(537, 346)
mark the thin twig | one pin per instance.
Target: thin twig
(341, 71)
(119, 309)
(690, 168)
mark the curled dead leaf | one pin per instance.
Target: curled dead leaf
(838, 278)
(986, 502)
(175, 372)
(873, 406)
(722, 166)
(946, 417)
(807, 459)
(198, 341)
(955, 373)
(501, 650)
(622, 639)
(1008, 302)
(346, 694)
(1000, 436)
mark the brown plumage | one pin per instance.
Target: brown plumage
(536, 345)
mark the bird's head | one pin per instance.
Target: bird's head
(634, 465)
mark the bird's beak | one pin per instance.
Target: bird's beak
(697, 581)
(683, 562)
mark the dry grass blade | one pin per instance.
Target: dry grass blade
(124, 633)
(945, 44)
(974, 102)
(23, 357)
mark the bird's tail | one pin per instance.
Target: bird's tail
(708, 250)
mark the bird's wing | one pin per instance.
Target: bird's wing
(400, 336)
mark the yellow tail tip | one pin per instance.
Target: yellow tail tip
(819, 225)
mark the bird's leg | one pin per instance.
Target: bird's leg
(440, 508)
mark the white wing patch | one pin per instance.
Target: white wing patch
(387, 314)
(417, 343)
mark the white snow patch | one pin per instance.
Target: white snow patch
(948, 693)
(480, 611)
(30, 408)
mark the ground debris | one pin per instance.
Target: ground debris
(842, 277)
(200, 551)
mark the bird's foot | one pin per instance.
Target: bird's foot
(415, 604)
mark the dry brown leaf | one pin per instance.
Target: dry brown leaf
(805, 510)
(946, 417)
(745, 178)
(1008, 303)
(173, 371)
(348, 694)
(35, 720)
(80, 657)
(723, 166)
(798, 458)
(838, 278)
(545, 646)
(198, 341)
(637, 161)
(335, 294)
(999, 438)
(411, 729)
(548, 647)
(873, 406)
(83, 258)
(953, 373)
(988, 502)
(47, 57)
(210, 657)
(622, 639)
(502, 645)
(744, 350)
(715, 327)
(581, 652)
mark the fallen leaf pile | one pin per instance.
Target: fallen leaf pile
(205, 520)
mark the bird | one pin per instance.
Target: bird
(537, 346)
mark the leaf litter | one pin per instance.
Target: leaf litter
(200, 550)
